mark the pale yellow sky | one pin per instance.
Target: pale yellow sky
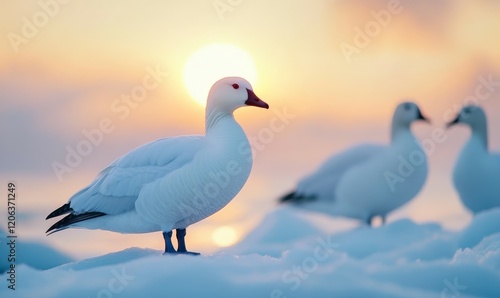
(66, 77)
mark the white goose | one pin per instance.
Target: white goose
(173, 182)
(476, 175)
(368, 180)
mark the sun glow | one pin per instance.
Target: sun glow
(225, 236)
(213, 62)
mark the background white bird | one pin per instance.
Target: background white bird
(476, 174)
(173, 182)
(368, 180)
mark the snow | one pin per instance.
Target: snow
(290, 255)
(36, 255)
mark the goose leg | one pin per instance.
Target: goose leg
(181, 243)
(169, 248)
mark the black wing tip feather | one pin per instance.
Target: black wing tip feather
(288, 197)
(294, 197)
(60, 211)
(72, 218)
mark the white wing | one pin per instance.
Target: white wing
(117, 187)
(322, 183)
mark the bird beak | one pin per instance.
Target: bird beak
(421, 117)
(453, 122)
(255, 101)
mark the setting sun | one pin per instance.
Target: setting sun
(225, 236)
(213, 62)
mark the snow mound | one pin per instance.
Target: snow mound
(288, 256)
(484, 224)
(31, 253)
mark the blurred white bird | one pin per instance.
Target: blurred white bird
(476, 175)
(368, 180)
(173, 182)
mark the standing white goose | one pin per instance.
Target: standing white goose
(368, 180)
(173, 182)
(476, 175)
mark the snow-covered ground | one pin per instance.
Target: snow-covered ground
(36, 255)
(289, 255)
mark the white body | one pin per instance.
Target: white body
(169, 184)
(476, 174)
(368, 180)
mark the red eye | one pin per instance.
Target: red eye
(236, 86)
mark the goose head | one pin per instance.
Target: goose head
(470, 115)
(475, 118)
(406, 113)
(231, 93)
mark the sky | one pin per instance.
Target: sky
(336, 68)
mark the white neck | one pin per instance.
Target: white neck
(213, 116)
(222, 129)
(400, 131)
(480, 134)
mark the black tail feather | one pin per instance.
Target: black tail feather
(60, 211)
(72, 219)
